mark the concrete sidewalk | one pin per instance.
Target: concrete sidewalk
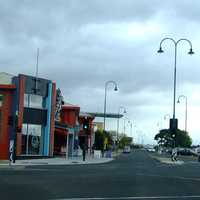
(58, 161)
(166, 159)
(62, 161)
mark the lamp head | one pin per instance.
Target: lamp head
(116, 89)
(191, 52)
(178, 101)
(160, 50)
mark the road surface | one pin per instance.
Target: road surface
(131, 176)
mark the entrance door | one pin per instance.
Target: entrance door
(32, 143)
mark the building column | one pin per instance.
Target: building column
(48, 125)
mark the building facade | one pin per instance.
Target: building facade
(67, 130)
(28, 107)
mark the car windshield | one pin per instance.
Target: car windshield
(99, 99)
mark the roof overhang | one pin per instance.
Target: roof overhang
(108, 115)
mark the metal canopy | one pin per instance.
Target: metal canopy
(108, 115)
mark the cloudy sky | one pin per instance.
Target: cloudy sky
(83, 44)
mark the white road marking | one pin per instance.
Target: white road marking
(118, 198)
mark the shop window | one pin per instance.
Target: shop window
(1, 99)
(33, 101)
(32, 139)
(0, 123)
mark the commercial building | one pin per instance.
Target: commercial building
(27, 110)
(67, 130)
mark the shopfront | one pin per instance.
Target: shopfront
(37, 118)
(27, 111)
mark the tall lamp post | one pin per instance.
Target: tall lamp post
(174, 120)
(185, 97)
(124, 111)
(115, 89)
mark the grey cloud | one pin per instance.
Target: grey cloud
(83, 44)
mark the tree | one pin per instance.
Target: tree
(124, 140)
(103, 140)
(99, 140)
(179, 138)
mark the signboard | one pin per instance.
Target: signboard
(59, 101)
(11, 150)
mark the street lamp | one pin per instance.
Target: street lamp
(174, 120)
(183, 96)
(115, 89)
(124, 111)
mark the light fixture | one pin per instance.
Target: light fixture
(160, 50)
(191, 52)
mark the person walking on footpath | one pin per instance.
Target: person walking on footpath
(84, 151)
(174, 154)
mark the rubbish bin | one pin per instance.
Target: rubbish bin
(109, 154)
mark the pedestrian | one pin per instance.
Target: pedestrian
(84, 151)
(174, 155)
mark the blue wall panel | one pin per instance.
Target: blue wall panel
(48, 125)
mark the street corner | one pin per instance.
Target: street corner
(166, 160)
(169, 161)
(58, 161)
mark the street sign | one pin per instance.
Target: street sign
(11, 150)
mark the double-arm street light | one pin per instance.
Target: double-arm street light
(115, 89)
(185, 97)
(124, 111)
(174, 120)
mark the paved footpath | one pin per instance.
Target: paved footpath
(61, 161)
(166, 158)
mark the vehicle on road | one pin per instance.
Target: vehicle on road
(151, 150)
(127, 149)
(186, 152)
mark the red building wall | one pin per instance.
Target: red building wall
(4, 126)
(69, 115)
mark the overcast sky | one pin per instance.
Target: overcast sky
(84, 43)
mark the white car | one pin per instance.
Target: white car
(151, 150)
(127, 149)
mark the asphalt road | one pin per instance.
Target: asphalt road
(130, 176)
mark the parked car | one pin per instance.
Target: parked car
(127, 149)
(186, 152)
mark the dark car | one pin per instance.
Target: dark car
(186, 152)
